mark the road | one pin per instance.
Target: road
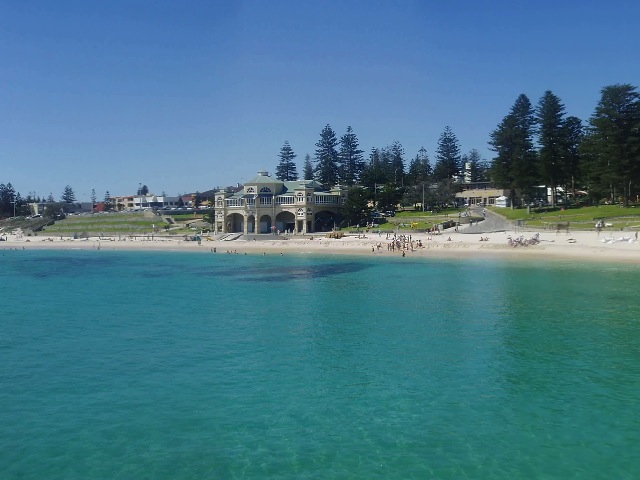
(492, 223)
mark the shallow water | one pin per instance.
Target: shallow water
(179, 366)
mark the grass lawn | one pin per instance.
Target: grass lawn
(107, 224)
(408, 220)
(581, 218)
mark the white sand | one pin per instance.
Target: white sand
(579, 246)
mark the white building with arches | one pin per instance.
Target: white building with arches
(268, 205)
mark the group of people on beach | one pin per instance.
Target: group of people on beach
(400, 243)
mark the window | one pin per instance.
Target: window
(326, 200)
(265, 190)
(284, 200)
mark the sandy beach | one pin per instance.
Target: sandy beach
(579, 246)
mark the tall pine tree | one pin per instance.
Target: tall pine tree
(396, 163)
(551, 153)
(419, 168)
(307, 171)
(7, 197)
(418, 177)
(374, 175)
(351, 160)
(107, 200)
(514, 166)
(68, 196)
(615, 139)
(572, 136)
(286, 169)
(447, 156)
(327, 158)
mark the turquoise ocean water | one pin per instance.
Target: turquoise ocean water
(125, 365)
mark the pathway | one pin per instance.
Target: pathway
(492, 223)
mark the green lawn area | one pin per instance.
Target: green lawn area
(419, 213)
(581, 218)
(107, 224)
(420, 220)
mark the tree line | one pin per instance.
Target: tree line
(385, 175)
(534, 147)
(542, 146)
(14, 204)
(341, 161)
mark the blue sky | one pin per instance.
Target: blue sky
(185, 96)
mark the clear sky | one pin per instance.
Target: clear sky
(184, 96)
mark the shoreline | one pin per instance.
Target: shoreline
(609, 247)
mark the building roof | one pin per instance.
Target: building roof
(293, 184)
(263, 177)
(287, 187)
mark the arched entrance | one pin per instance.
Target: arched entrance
(285, 221)
(251, 224)
(265, 224)
(235, 223)
(325, 221)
